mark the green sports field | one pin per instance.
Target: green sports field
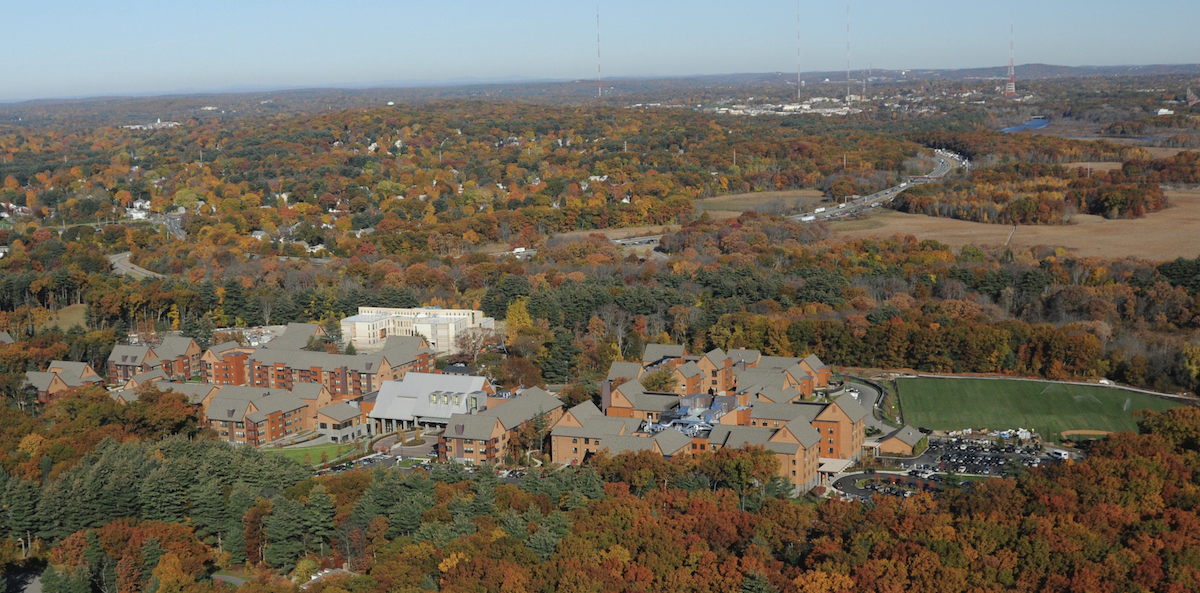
(1046, 408)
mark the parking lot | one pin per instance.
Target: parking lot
(973, 458)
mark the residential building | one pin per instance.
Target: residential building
(342, 422)
(254, 416)
(371, 327)
(179, 357)
(61, 376)
(125, 361)
(296, 336)
(427, 399)
(6, 338)
(631, 400)
(488, 436)
(902, 442)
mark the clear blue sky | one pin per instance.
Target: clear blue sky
(72, 48)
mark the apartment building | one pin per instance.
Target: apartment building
(177, 356)
(60, 376)
(428, 399)
(371, 327)
(487, 436)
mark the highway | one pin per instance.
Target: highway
(946, 162)
(121, 265)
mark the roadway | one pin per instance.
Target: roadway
(121, 265)
(945, 163)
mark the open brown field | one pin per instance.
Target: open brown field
(1160, 236)
(799, 199)
(1104, 166)
(68, 317)
(623, 233)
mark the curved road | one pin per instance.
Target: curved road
(121, 265)
(945, 164)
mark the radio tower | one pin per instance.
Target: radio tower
(1010, 89)
(599, 85)
(799, 82)
(847, 51)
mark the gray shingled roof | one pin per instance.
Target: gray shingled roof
(777, 395)
(797, 372)
(294, 337)
(194, 392)
(776, 362)
(743, 355)
(815, 362)
(717, 357)
(173, 347)
(739, 436)
(276, 402)
(757, 379)
(304, 359)
(125, 355)
(907, 435)
(768, 411)
(627, 370)
(523, 408)
(340, 412)
(851, 407)
(672, 441)
(804, 432)
(142, 378)
(6, 338)
(39, 380)
(690, 369)
(657, 352)
(470, 426)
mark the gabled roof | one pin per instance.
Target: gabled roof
(223, 347)
(125, 355)
(776, 362)
(620, 444)
(524, 407)
(227, 409)
(173, 347)
(797, 372)
(72, 373)
(39, 380)
(851, 408)
(274, 403)
(340, 412)
(599, 427)
(194, 392)
(470, 426)
(6, 338)
(295, 336)
(717, 357)
(747, 356)
(690, 369)
(586, 409)
(804, 432)
(767, 411)
(156, 374)
(656, 352)
(304, 359)
(777, 395)
(643, 400)
(815, 362)
(307, 390)
(905, 434)
(739, 436)
(672, 441)
(627, 370)
(756, 379)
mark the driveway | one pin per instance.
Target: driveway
(868, 397)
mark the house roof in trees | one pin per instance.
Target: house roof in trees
(6, 338)
(173, 347)
(626, 370)
(72, 373)
(340, 412)
(295, 336)
(905, 434)
(194, 392)
(125, 355)
(524, 407)
(672, 441)
(657, 352)
(39, 380)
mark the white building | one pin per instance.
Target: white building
(440, 327)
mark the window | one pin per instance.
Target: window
(575, 440)
(446, 399)
(574, 449)
(456, 400)
(470, 441)
(433, 398)
(830, 431)
(598, 442)
(776, 424)
(793, 462)
(714, 374)
(793, 472)
(830, 441)
(831, 450)
(587, 441)
(324, 426)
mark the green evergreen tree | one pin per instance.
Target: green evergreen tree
(319, 519)
(757, 583)
(284, 530)
(152, 552)
(209, 514)
(161, 497)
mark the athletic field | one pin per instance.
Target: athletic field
(1046, 408)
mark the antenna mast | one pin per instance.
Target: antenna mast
(847, 51)
(1010, 89)
(798, 81)
(599, 87)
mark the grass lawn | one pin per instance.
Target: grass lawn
(68, 317)
(1047, 408)
(313, 452)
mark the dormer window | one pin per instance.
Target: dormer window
(433, 398)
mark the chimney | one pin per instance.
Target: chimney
(606, 395)
(458, 429)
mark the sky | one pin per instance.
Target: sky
(77, 48)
